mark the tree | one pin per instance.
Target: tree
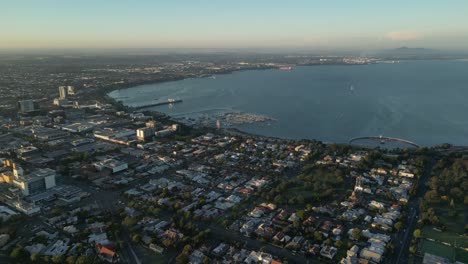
(356, 233)
(19, 254)
(35, 257)
(317, 236)
(83, 260)
(432, 196)
(58, 259)
(300, 214)
(398, 226)
(457, 193)
(136, 238)
(417, 233)
(129, 221)
(167, 243)
(71, 260)
(300, 199)
(182, 258)
(278, 199)
(338, 244)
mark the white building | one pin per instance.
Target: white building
(35, 182)
(63, 92)
(111, 164)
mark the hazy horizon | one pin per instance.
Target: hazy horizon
(362, 25)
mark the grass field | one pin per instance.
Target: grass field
(446, 236)
(444, 251)
(454, 235)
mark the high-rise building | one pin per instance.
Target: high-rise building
(26, 106)
(35, 182)
(145, 133)
(63, 92)
(71, 90)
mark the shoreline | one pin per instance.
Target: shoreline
(168, 117)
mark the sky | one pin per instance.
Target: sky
(314, 24)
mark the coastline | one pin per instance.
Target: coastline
(115, 100)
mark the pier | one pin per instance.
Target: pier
(158, 104)
(383, 139)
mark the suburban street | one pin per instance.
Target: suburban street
(403, 239)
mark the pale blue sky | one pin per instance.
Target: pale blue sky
(366, 24)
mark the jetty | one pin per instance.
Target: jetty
(169, 101)
(383, 139)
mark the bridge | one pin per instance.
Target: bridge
(383, 139)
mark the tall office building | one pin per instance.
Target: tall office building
(26, 106)
(71, 90)
(63, 92)
(35, 182)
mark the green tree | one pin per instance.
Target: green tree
(338, 244)
(84, 260)
(356, 233)
(71, 260)
(35, 257)
(167, 243)
(182, 258)
(18, 254)
(300, 214)
(417, 233)
(398, 226)
(317, 236)
(58, 259)
(136, 238)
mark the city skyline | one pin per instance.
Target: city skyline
(362, 25)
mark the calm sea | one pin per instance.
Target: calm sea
(422, 101)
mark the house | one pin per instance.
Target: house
(328, 251)
(258, 257)
(156, 248)
(107, 252)
(196, 257)
(351, 256)
(293, 218)
(279, 237)
(370, 255)
(172, 235)
(220, 250)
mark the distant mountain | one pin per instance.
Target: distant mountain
(406, 50)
